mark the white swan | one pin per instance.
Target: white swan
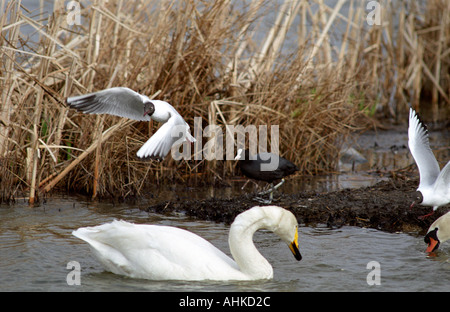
(167, 253)
(438, 232)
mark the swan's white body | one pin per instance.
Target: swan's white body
(167, 253)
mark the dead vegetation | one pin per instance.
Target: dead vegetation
(314, 70)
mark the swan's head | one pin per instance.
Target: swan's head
(438, 232)
(275, 219)
(287, 229)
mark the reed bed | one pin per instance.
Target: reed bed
(319, 72)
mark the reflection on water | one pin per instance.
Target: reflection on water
(318, 184)
(36, 244)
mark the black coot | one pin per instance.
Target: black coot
(257, 167)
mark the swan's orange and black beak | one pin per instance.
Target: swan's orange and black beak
(432, 245)
(294, 247)
(432, 240)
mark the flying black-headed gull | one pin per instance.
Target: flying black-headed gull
(434, 186)
(124, 102)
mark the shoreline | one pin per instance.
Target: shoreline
(383, 206)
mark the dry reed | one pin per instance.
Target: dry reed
(311, 69)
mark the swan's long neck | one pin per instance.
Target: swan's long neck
(243, 250)
(444, 227)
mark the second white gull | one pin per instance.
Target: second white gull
(434, 185)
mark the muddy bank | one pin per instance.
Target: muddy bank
(384, 206)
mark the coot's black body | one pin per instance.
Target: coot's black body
(251, 167)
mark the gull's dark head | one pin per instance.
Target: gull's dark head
(418, 199)
(149, 108)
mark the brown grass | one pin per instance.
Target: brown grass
(205, 59)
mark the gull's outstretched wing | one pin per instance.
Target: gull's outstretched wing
(420, 149)
(119, 101)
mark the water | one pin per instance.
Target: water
(36, 245)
